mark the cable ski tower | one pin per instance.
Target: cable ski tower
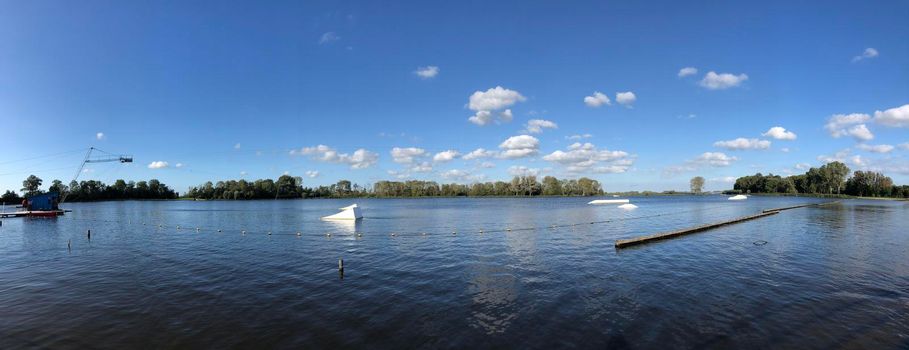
(103, 157)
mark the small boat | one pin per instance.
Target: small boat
(608, 201)
(350, 212)
(738, 197)
(628, 206)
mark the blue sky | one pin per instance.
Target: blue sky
(227, 90)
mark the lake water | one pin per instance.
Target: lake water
(835, 276)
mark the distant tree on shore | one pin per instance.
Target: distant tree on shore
(93, 190)
(288, 187)
(697, 184)
(830, 178)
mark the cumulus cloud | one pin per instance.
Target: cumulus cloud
(868, 53)
(716, 159)
(803, 166)
(460, 175)
(579, 137)
(423, 167)
(876, 148)
(178, 165)
(895, 117)
(587, 158)
(837, 157)
(427, 72)
(445, 156)
(520, 170)
(684, 72)
(359, 159)
(597, 99)
(742, 143)
(312, 174)
(838, 125)
(237, 146)
(406, 155)
(160, 164)
(860, 132)
(714, 81)
(780, 133)
(626, 98)
(904, 146)
(485, 103)
(99, 136)
(536, 126)
(328, 37)
(519, 146)
(479, 153)
(487, 165)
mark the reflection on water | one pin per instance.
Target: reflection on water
(828, 277)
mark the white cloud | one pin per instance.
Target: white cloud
(684, 72)
(803, 166)
(860, 132)
(836, 124)
(904, 146)
(485, 117)
(597, 99)
(742, 143)
(494, 99)
(160, 164)
(479, 153)
(724, 179)
(520, 170)
(398, 174)
(460, 175)
(868, 53)
(445, 156)
(519, 146)
(536, 126)
(579, 136)
(784, 149)
(312, 173)
(837, 157)
(427, 72)
(328, 37)
(689, 116)
(876, 148)
(895, 117)
(237, 146)
(587, 158)
(423, 167)
(178, 165)
(360, 159)
(780, 133)
(625, 98)
(243, 173)
(714, 81)
(487, 165)
(406, 155)
(717, 159)
(99, 136)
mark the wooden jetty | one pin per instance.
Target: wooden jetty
(800, 206)
(622, 243)
(33, 213)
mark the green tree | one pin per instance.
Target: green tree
(697, 184)
(31, 185)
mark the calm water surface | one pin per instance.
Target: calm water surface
(828, 277)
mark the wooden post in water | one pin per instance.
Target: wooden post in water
(622, 243)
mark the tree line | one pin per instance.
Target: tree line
(831, 178)
(93, 190)
(291, 187)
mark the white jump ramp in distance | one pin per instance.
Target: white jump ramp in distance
(351, 212)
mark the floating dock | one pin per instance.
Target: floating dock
(622, 243)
